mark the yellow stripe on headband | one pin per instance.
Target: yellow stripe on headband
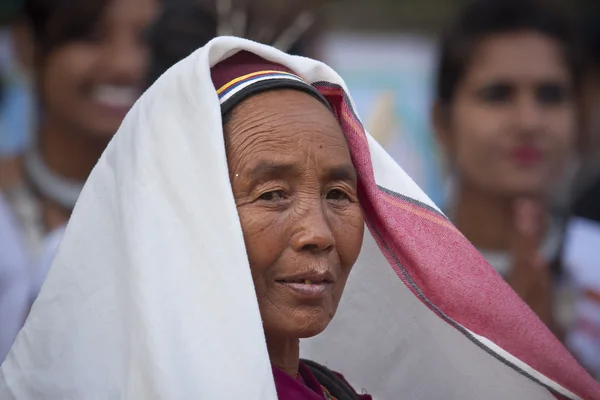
(251, 75)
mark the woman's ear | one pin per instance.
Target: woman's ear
(588, 136)
(24, 45)
(440, 121)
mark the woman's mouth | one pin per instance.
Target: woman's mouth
(526, 155)
(116, 99)
(309, 286)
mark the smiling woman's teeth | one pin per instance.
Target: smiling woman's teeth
(115, 96)
(307, 282)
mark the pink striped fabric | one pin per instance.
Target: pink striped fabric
(449, 275)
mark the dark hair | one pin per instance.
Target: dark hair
(183, 27)
(56, 22)
(9, 9)
(591, 34)
(483, 18)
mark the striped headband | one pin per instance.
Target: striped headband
(245, 74)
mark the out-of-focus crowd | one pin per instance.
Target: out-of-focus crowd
(516, 113)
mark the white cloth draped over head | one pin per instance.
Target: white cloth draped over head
(151, 296)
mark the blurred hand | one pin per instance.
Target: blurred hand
(530, 274)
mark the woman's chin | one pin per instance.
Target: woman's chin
(310, 331)
(303, 325)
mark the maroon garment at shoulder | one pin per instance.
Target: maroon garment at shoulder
(288, 388)
(305, 387)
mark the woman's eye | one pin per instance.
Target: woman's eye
(337, 194)
(551, 94)
(275, 195)
(496, 93)
(96, 35)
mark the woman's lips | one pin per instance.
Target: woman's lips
(308, 283)
(307, 288)
(526, 155)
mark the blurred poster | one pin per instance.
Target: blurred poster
(391, 81)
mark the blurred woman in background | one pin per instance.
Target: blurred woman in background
(88, 63)
(506, 115)
(582, 235)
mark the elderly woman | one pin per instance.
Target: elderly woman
(221, 227)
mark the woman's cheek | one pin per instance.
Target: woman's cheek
(260, 227)
(349, 233)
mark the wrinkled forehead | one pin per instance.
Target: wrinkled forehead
(286, 133)
(283, 113)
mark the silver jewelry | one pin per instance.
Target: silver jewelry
(62, 191)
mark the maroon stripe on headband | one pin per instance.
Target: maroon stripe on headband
(241, 64)
(244, 63)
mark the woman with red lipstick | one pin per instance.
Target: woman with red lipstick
(87, 62)
(583, 229)
(506, 115)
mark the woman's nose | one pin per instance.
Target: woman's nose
(125, 60)
(313, 232)
(529, 115)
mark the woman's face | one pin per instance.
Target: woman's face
(295, 189)
(91, 83)
(511, 128)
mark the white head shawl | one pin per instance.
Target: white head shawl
(151, 297)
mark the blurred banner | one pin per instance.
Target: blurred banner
(391, 79)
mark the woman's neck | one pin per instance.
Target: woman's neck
(11, 172)
(485, 219)
(69, 154)
(284, 354)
